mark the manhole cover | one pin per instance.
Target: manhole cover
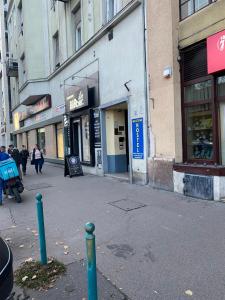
(126, 204)
(37, 186)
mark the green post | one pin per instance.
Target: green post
(41, 226)
(91, 262)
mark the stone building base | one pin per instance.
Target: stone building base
(161, 173)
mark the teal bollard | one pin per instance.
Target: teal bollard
(41, 226)
(91, 262)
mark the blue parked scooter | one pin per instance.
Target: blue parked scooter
(10, 175)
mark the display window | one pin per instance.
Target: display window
(85, 129)
(60, 141)
(41, 139)
(199, 121)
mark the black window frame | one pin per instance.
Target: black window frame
(194, 9)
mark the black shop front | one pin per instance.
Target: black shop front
(82, 115)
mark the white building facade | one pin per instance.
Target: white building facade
(82, 82)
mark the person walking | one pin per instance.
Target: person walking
(37, 159)
(24, 154)
(3, 156)
(15, 154)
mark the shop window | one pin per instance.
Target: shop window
(41, 139)
(189, 7)
(198, 118)
(198, 91)
(221, 86)
(199, 131)
(86, 154)
(220, 89)
(60, 141)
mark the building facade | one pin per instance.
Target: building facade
(5, 92)
(81, 86)
(187, 89)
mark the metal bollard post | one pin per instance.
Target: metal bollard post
(91, 262)
(41, 227)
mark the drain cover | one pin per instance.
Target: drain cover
(126, 204)
(37, 186)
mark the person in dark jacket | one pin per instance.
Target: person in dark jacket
(24, 155)
(15, 154)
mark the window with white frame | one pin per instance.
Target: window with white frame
(77, 27)
(56, 50)
(111, 8)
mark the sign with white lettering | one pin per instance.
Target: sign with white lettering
(138, 138)
(76, 99)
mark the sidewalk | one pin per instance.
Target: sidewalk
(151, 244)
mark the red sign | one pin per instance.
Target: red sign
(216, 52)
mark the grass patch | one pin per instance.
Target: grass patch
(35, 276)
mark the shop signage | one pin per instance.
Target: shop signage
(97, 129)
(73, 166)
(138, 138)
(66, 123)
(39, 106)
(216, 52)
(77, 99)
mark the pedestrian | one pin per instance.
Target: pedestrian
(3, 156)
(37, 159)
(15, 154)
(24, 154)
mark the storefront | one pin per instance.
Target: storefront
(82, 131)
(35, 124)
(203, 110)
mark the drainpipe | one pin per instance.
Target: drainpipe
(146, 82)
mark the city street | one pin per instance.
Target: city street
(160, 245)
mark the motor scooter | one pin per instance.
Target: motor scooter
(10, 175)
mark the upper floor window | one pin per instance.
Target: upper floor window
(189, 7)
(56, 50)
(111, 8)
(76, 27)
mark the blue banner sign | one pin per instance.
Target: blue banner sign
(138, 138)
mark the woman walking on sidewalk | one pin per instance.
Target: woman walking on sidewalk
(37, 159)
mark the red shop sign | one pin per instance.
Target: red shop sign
(216, 52)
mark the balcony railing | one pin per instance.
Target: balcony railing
(12, 67)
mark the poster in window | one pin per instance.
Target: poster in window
(86, 138)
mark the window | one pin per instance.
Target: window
(41, 138)
(189, 7)
(86, 154)
(203, 101)
(60, 141)
(76, 27)
(199, 121)
(56, 50)
(111, 8)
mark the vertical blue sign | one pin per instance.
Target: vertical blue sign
(138, 138)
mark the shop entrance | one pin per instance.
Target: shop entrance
(117, 140)
(76, 136)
